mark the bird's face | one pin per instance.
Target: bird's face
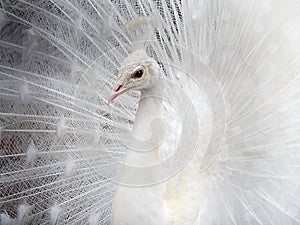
(138, 72)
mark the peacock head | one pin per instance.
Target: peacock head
(138, 72)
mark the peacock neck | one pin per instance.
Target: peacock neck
(142, 167)
(143, 148)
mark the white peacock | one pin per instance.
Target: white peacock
(215, 130)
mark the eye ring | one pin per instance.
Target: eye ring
(138, 74)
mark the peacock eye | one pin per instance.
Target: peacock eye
(138, 74)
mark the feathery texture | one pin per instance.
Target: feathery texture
(238, 61)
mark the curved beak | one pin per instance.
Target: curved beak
(117, 90)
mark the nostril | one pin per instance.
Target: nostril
(117, 88)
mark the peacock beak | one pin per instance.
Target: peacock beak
(117, 90)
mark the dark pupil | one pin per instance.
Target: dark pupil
(138, 74)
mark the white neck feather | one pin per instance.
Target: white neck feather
(145, 131)
(143, 205)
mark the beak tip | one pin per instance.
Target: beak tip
(118, 89)
(111, 98)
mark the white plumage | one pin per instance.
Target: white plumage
(224, 107)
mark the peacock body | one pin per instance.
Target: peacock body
(211, 138)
